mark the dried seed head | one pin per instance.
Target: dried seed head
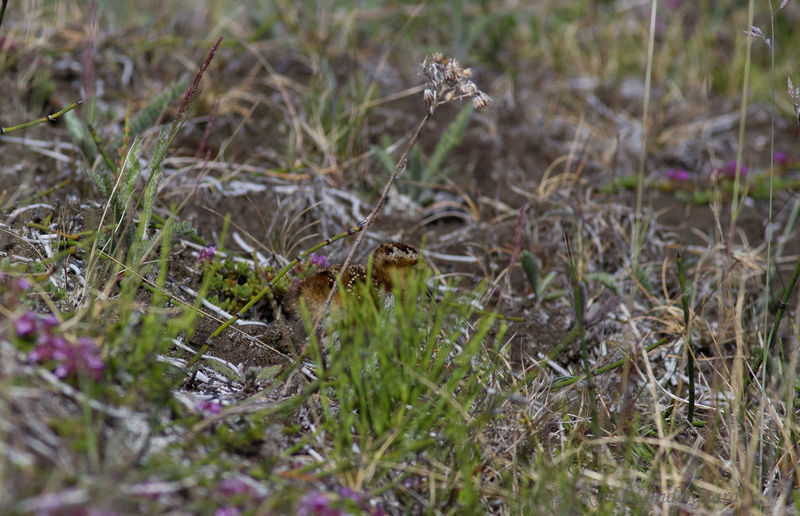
(481, 101)
(430, 96)
(468, 88)
(452, 70)
(447, 82)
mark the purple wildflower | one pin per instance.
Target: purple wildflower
(83, 357)
(730, 169)
(25, 324)
(233, 486)
(206, 254)
(349, 494)
(781, 158)
(90, 356)
(22, 284)
(316, 504)
(49, 321)
(320, 260)
(227, 510)
(345, 493)
(61, 370)
(677, 175)
(210, 407)
(49, 347)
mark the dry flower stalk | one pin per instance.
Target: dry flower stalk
(449, 82)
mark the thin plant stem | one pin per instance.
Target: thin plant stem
(690, 366)
(604, 369)
(779, 310)
(637, 229)
(48, 118)
(101, 149)
(767, 295)
(399, 167)
(735, 204)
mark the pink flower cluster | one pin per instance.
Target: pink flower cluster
(730, 169)
(317, 503)
(677, 175)
(210, 407)
(70, 358)
(246, 493)
(206, 254)
(320, 260)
